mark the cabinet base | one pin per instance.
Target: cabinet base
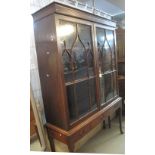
(73, 135)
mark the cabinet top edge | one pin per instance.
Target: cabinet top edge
(64, 9)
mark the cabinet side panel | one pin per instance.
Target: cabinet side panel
(47, 55)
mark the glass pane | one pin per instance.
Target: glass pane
(79, 56)
(102, 85)
(105, 42)
(78, 99)
(103, 49)
(71, 101)
(67, 67)
(107, 63)
(106, 58)
(110, 38)
(100, 42)
(114, 81)
(108, 87)
(92, 84)
(78, 61)
(76, 45)
(83, 52)
(67, 33)
(82, 97)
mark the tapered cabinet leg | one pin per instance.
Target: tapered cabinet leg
(104, 125)
(109, 121)
(71, 147)
(120, 120)
(52, 144)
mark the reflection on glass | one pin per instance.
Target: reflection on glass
(68, 39)
(65, 30)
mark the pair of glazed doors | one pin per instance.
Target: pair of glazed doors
(88, 54)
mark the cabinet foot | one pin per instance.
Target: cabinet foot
(71, 147)
(109, 121)
(52, 144)
(104, 125)
(120, 120)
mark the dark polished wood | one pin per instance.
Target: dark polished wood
(79, 89)
(51, 140)
(49, 72)
(120, 35)
(70, 144)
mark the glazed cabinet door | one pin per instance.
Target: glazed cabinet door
(77, 56)
(105, 38)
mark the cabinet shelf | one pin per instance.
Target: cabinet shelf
(78, 70)
(79, 80)
(108, 72)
